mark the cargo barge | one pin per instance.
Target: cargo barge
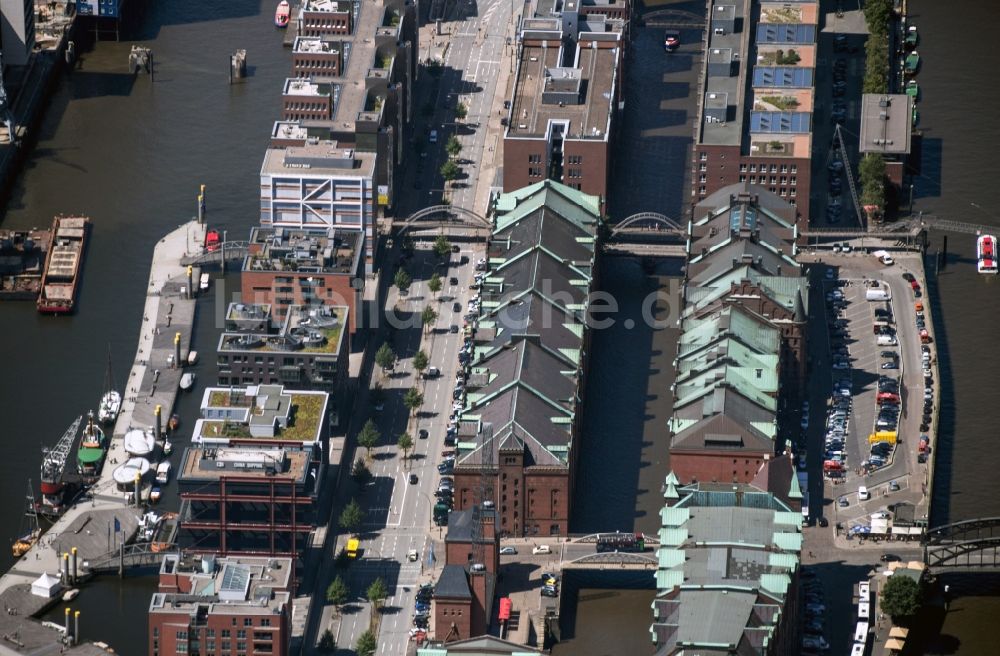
(22, 261)
(63, 265)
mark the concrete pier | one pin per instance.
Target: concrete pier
(151, 382)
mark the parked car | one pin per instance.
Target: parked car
(508, 551)
(541, 549)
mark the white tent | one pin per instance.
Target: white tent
(45, 586)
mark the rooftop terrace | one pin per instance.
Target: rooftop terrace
(311, 329)
(286, 249)
(261, 412)
(212, 463)
(234, 585)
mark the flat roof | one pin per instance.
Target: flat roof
(252, 412)
(212, 463)
(540, 72)
(319, 158)
(245, 585)
(315, 44)
(728, 132)
(886, 123)
(305, 330)
(334, 250)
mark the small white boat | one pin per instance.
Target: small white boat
(986, 254)
(193, 357)
(187, 381)
(203, 282)
(70, 595)
(162, 473)
(111, 403)
(168, 448)
(154, 495)
(282, 14)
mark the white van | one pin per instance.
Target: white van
(884, 257)
(886, 340)
(863, 494)
(877, 294)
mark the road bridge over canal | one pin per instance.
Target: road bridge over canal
(972, 544)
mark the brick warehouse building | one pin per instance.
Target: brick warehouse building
(757, 99)
(568, 85)
(526, 383)
(208, 605)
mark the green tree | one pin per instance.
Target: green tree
(369, 436)
(442, 246)
(434, 67)
(351, 517)
(337, 593)
(385, 357)
(327, 644)
(360, 472)
(420, 361)
(450, 170)
(453, 147)
(413, 399)
(434, 284)
(367, 644)
(405, 443)
(402, 280)
(428, 317)
(461, 111)
(376, 593)
(901, 597)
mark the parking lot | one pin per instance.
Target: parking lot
(867, 427)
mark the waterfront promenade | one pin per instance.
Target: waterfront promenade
(151, 382)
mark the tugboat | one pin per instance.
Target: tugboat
(912, 63)
(913, 90)
(282, 14)
(912, 38)
(93, 448)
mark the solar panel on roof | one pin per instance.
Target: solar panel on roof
(782, 76)
(780, 122)
(768, 33)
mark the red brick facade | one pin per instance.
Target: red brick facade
(282, 289)
(452, 619)
(325, 23)
(716, 466)
(716, 167)
(532, 501)
(328, 64)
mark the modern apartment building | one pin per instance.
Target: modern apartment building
(335, 152)
(756, 110)
(288, 267)
(208, 605)
(250, 481)
(521, 418)
(308, 350)
(568, 86)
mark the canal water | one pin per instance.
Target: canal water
(130, 153)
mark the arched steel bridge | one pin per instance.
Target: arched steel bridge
(445, 217)
(970, 544)
(647, 223)
(646, 234)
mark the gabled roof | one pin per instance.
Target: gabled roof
(727, 400)
(722, 432)
(529, 399)
(479, 646)
(791, 292)
(559, 330)
(570, 203)
(729, 322)
(767, 202)
(730, 353)
(703, 268)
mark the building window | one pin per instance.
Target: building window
(743, 178)
(784, 168)
(753, 179)
(265, 621)
(753, 168)
(534, 172)
(575, 173)
(703, 167)
(703, 156)
(182, 635)
(784, 180)
(574, 159)
(792, 179)
(534, 159)
(241, 634)
(792, 192)
(795, 168)
(743, 168)
(774, 168)
(701, 190)
(702, 178)
(247, 621)
(225, 634)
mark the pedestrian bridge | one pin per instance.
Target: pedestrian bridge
(230, 250)
(581, 553)
(973, 544)
(133, 555)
